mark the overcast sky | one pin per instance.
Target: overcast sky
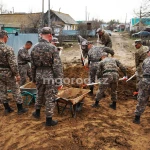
(99, 9)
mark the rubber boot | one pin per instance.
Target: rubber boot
(21, 110)
(96, 104)
(50, 122)
(36, 114)
(136, 120)
(7, 108)
(91, 92)
(113, 105)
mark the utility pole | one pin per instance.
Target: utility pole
(86, 13)
(125, 22)
(49, 15)
(42, 13)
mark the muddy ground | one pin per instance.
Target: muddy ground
(92, 129)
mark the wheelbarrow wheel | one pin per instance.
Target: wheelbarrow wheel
(79, 106)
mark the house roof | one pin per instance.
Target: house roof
(66, 18)
(18, 20)
(145, 21)
(140, 23)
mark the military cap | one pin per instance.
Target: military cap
(104, 54)
(46, 30)
(138, 41)
(55, 40)
(98, 30)
(84, 43)
(3, 33)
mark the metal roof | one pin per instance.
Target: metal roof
(66, 18)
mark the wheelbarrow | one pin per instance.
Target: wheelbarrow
(72, 97)
(28, 92)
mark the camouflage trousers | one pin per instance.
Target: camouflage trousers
(109, 44)
(46, 92)
(10, 83)
(139, 75)
(24, 71)
(109, 80)
(92, 72)
(143, 96)
(138, 79)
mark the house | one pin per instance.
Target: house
(30, 22)
(137, 24)
(61, 19)
(18, 22)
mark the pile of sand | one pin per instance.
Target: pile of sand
(30, 85)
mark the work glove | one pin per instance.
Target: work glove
(60, 87)
(136, 73)
(125, 78)
(17, 78)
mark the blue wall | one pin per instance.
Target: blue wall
(18, 41)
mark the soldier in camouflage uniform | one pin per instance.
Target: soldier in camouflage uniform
(104, 37)
(83, 48)
(144, 89)
(23, 65)
(46, 68)
(8, 73)
(140, 55)
(108, 75)
(94, 56)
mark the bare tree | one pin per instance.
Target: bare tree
(34, 22)
(144, 10)
(3, 10)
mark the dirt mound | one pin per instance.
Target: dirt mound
(30, 85)
(125, 89)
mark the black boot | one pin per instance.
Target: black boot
(91, 92)
(36, 114)
(50, 122)
(96, 104)
(113, 105)
(136, 120)
(7, 108)
(21, 110)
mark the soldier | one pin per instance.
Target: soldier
(144, 89)
(94, 56)
(108, 75)
(8, 73)
(23, 65)
(104, 37)
(83, 48)
(55, 42)
(140, 55)
(46, 68)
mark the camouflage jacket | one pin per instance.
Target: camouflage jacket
(8, 62)
(146, 66)
(45, 62)
(109, 66)
(140, 55)
(95, 52)
(23, 56)
(106, 40)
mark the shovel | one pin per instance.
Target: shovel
(131, 77)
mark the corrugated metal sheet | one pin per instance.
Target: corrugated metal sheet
(70, 32)
(18, 41)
